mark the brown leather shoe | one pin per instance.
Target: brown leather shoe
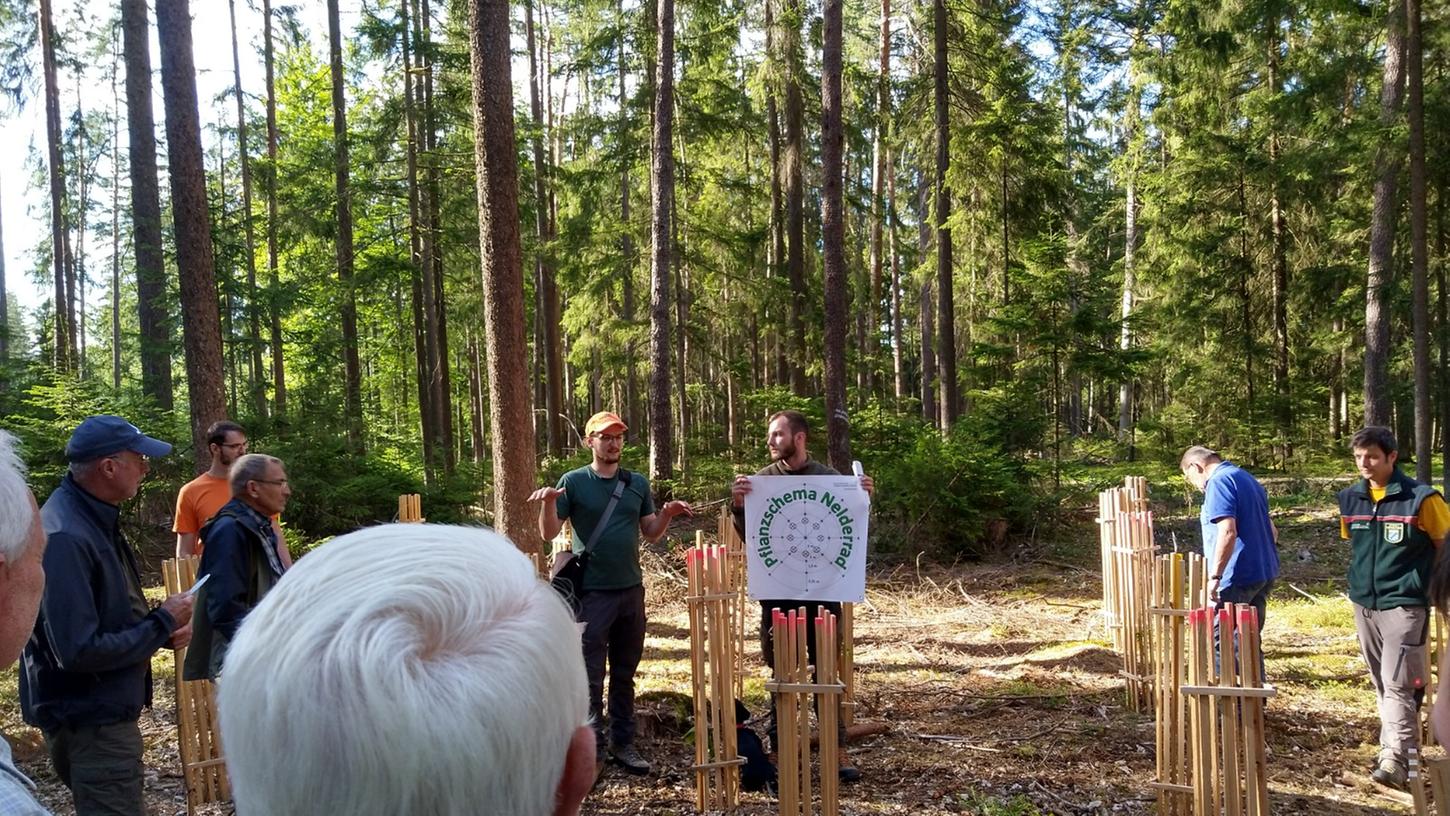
(848, 772)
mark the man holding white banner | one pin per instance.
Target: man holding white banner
(806, 545)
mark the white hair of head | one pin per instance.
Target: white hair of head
(16, 517)
(404, 669)
(251, 467)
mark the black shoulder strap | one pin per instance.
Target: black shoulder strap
(608, 510)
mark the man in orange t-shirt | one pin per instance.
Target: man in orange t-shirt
(201, 498)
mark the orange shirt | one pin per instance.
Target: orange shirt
(198, 501)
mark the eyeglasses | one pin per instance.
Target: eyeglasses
(609, 437)
(242, 445)
(270, 481)
(119, 457)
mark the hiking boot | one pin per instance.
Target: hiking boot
(848, 772)
(1392, 773)
(629, 759)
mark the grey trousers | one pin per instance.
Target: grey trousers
(1393, 644)
(101, 765)
(613, 631)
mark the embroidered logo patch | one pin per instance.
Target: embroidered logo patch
(1359, 525)
(1394, 532)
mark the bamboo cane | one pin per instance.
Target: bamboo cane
(1228, 710)
(1257, 778)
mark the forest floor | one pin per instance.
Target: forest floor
(995, 686)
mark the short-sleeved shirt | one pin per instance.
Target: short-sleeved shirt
(1433, 518)
(199, 500)
(1231, 492)
(614, 558)
(16, 792)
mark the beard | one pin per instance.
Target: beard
(782, 453)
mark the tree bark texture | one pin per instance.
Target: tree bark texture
(56, 167)
(1419, 236)
(878, 187)
(833, 239)
(795, 194)
(1283, 400)
(257, 377)
(543, 265)
(151, 308)
(502, 272)
(946, 322)
(662, 190)
(274, 306)
(427, 418)
(1382, 228)
(201, 324)
(352, 370)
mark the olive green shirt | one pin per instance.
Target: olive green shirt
(614, 559)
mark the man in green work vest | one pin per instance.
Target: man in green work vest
(610, 509)
(1395, 527)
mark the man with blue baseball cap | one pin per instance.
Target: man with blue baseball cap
(87, 667)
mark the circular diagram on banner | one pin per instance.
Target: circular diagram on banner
(805, 541)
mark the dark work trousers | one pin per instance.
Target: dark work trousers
(1255, 595)
(767, 652)
(101, 764)
(614, 629)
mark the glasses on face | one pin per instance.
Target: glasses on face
(609, 438)
(235, 445)
(271, 481)
(141, 458)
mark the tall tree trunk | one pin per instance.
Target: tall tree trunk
(898, 337)
(626, 239)
(440, 387)
(946, 328)
(795, 194)
(274, 310)
(1130, 240)
(1419, 235)
(833, 239)
(543, 265)
(503, 285)
(1283, 400)
(662, 191)
(76, 281)
(352, 371)
(1444, 320)
(427, 418)
(878, 182)
(152, 312)
(1382, 227)
(778, 367)
(254, 329)
(927, 309)
(58, 239)
(115, 224)
(201, 325)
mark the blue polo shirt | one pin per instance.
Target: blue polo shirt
(1232, 492)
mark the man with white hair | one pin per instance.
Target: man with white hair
(375, 682)
(87, 667)
(22, 579)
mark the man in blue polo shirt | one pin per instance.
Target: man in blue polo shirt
(1239, 540)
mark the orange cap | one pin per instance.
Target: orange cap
(603, 421)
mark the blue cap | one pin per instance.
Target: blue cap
(104, 435)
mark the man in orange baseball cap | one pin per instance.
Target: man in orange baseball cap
(610, 509)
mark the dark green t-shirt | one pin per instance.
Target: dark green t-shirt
(614, 559)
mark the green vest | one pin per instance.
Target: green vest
(1390, 556)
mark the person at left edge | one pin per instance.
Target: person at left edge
(87, 667)
(612, 606)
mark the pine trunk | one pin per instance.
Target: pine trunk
(115, 225)
(426, 416)
(833, 239)
(1377, 309)
(1419, 235)
(274, 310)
(352, 371)
(946, 322)
(626, 240)
(1283, 400)
(543, 265)
(58, 239)
(254, 328)
(201, 325)
(502, 273)
(662, 191)
(795, 195)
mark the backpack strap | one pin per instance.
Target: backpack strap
(608, 510)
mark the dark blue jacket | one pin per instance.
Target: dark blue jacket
(241, 558)
(88, 661)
